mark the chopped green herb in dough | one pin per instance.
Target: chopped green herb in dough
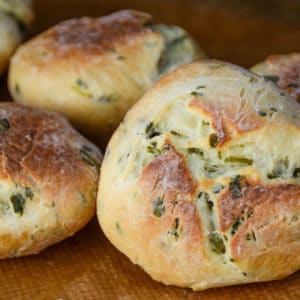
(4, 125)
(18, 202)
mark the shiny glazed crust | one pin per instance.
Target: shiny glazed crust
(48, 180)
(205, 170)
(93, 69)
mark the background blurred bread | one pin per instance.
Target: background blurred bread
(48, 180)
(93, 69)
(15, 16)
(283, 70)
(205, 170)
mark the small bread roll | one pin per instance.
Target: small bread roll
(48, 180)
(283, 70)
(15, 16)
(205, 172)
(93, 69)
(10, 38)
(20, 10)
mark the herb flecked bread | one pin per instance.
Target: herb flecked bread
(48, 180)
(93, 69)
(283, 70)
(15, 17)
(205, 172)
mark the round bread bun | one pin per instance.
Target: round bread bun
(206, 173)
(283, 70)
(10, 38)
(15, 17)
(21, 10)
(48, 180)
(93, 69)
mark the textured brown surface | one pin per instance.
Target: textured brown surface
(87, 266)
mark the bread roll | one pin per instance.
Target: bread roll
(205, 172)
(93, 69)
(283, 70)
(15, 16)
(20, 10)
(10, 38)
(48, 180)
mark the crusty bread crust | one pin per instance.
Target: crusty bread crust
(48, 179)
(205, 169)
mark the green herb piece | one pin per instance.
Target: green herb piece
(213, 140)
(262, 113)
(215, 67)
(273, 109)
(219, 155)
(241, 160)
(242, 92)
(176, 133)
(249, 214)
(236, 186)
(85, 153)
(17, 89)
(118, 227)
(204, 123)
(28, 193)
(217, 243)
(18, 202)
(201, 87)
(245, 274)
(150, 131)
(211, 168)
(165, 148)
(195, 93)
(251, 236)
(81, 83)
(153, 150)
(81, 87)
(158, 207)
(4, 125)
(105, 98)
(272, 78)
(281, 167)
(237, 223)
(121, 57)
(296, 172)
(253, 79)
(197, 151)
(276, 173)
(231, 259)
(205, 197)
(174, 230)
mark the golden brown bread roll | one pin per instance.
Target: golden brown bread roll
(205, 170)
(15, 16)
(48, 180)
(283, 70)
(93, 69)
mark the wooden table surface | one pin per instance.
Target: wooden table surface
(87, 266)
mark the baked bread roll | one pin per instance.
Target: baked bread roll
(93, 69)
(283, 70)
(20, 10)
(48, 180)
(15, 16)
(205, 172)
